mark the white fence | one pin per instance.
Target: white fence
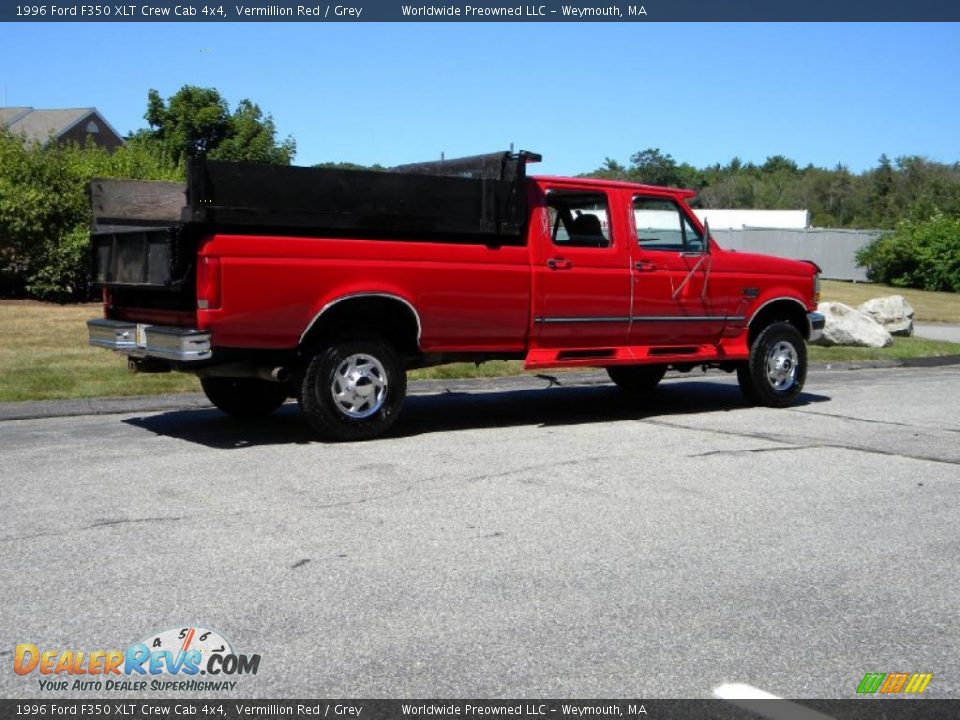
(833, 250)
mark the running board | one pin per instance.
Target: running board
(627, 355)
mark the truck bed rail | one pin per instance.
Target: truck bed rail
(483, 195)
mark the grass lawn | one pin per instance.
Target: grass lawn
(44, 354)
(929, 306)
(902, 348)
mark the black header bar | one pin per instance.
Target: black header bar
(488, 11)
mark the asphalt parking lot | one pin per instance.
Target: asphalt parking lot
(508, 540)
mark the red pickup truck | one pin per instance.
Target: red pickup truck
(327, 285)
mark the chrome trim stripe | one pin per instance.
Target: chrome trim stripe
(773, 300)
(639, 318)
(594, 319)
(689, 318)
(812, 333)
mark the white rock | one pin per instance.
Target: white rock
(846, 326)
(891, 311)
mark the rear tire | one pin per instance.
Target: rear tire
(244, 397)
(636, 379)
(353, 389)
(777, 369)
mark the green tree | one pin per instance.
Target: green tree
(45, 212)
(910, 187)
(253, 136)
(778, 164)
(610, 170)
(880, 201)
(921, 254)
(924, 187)
(653, 167)
(350, 166)
(196, 122)
(731, 191)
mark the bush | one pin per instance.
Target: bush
(45, 212)
(923, 254)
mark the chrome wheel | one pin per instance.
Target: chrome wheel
(353, 389)
(782, 365)
(777, 367)
(359, 386)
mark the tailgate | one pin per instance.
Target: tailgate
(142, 254)
(137, 236)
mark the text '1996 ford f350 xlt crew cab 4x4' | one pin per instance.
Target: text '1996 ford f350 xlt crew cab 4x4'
(327, 285)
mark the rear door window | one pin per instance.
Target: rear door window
(579, 219)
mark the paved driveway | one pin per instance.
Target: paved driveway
(937, 331)
(518, 541)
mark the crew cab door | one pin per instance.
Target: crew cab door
(581, 271)
(670, 266)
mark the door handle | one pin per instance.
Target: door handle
(559, 263)
(644, 266)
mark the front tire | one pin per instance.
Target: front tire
(244, 397)
(636, 379)
(777, 369)
(353, 389)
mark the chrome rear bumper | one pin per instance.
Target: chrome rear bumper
(155, 341)
(817, 323)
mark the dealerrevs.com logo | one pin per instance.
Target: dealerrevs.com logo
(172, 660)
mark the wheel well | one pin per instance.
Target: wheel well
(783, 310)
(387, 316)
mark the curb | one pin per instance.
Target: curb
(41, 409)
(920, 362)
(37, 409)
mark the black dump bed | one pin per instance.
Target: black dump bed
(144, 233)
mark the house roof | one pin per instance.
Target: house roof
(39, 125)
(12, 114)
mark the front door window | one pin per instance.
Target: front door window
(662, 225)
(671, 304)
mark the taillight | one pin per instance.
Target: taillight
(816, 289)
(107, 302)
(208, 283)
